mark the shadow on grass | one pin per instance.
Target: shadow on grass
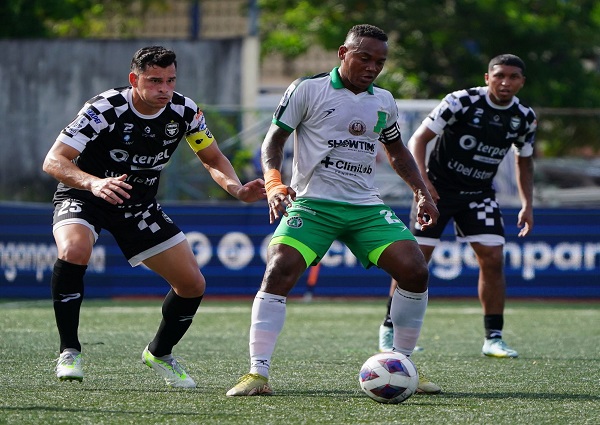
(447, 395)
(103, 411)
(520, 396)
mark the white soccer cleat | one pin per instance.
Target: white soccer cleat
(69, 366)
(169, 369)
(496, 347)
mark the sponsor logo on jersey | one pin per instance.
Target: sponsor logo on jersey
(172, 129)
(342, 165)
(141, 162)
(127, 130)
(496, 121)
(468, 142)
(358, 145)
(148, 132)
(148, 181)
(357, 128)
(470, 171)
(169, 141)
(77, 125)
(475, 122)
(93, 116)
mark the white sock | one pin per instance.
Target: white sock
(268, 316)
(407, 313)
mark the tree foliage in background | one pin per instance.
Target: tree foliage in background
(440, 46)
(71, 18)
(436, 46)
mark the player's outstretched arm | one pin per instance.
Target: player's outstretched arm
(222, 172)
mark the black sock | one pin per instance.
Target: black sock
(493, 324)
(388, 320)
(177, 317)
(67, 295)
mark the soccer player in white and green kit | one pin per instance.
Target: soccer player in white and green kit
(338, 119)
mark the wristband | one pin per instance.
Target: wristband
(273, 183)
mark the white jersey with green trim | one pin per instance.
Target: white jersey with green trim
(336, 136)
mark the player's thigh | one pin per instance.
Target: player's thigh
(369, 230)
(178, 266)
(74, 243)
(489, 257)
(75, 227)
(404, 261)
(285, 265)
(311, 226)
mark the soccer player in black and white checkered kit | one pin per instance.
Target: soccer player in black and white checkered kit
(474, 130)
(108, 163)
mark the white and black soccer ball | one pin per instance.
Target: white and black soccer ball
(389, 377)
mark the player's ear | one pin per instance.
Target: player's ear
(487, 78)
(133, 78)
(342, 52)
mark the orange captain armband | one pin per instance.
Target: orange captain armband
(200, 140)
(273, 183)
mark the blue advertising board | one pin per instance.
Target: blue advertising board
(560, 259)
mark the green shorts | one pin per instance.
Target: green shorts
(313, 224)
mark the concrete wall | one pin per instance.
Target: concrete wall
(43, 83)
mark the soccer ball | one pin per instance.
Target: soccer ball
(389, 377)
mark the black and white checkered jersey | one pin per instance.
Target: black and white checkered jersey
(114, 139)
(474, 136)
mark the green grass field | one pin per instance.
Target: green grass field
(556, 379)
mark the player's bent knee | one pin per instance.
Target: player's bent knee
(75, 253)
(190, 289)
(188, 284)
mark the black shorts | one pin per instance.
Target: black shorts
(140, 231)
(474, 221)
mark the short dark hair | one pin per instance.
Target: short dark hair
(152, 56)
(507, 59)
(366, 30)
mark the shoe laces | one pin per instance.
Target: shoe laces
(67, 360)
(174, 364)
(500, 343)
